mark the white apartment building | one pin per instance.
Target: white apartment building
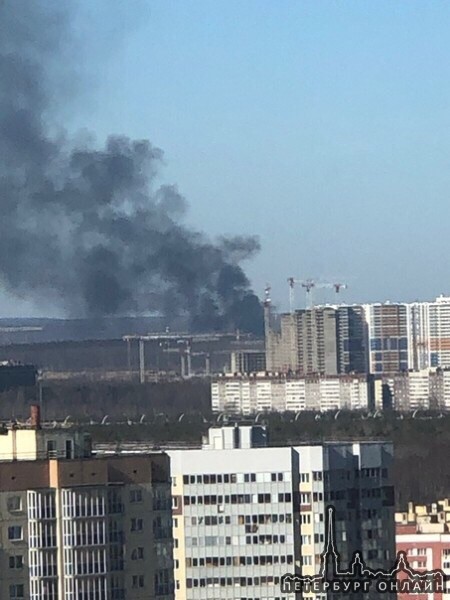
(428, 389)
(419, 389)
(429, 333)
(235, 525)
(445, 401)
(439, 332)
(249, 394)
(244, 517)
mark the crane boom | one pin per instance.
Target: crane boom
(309, 285)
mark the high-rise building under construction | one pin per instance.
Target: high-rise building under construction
(306, 343)
(321, 339)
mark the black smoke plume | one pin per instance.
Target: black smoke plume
(87, 228)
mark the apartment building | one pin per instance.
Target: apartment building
(438, 321)
(236, 530)
(307, 342)
(423, 534)
(428, 389)
(352, 339)
(380, 338)
(355, 478)
(245, 516)
(83, 528)
(249, 394)
(388, 337)
(248, 361)
(418, 335)
(429, 333)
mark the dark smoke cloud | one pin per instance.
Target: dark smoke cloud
(88, 228)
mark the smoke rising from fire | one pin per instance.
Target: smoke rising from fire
(87, 227)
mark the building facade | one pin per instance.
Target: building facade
(388, 337)
(352, 340)
(306, 344)
(235, 533)
(82, 528)
(423, 534)
(380, 338)
(439, 332)
(244, 517)
(247, 362)
(428, 389)
(267, 393)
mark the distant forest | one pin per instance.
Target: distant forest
(180, 411)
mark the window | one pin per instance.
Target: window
(375, 344)
(51, 448)
(137, 524)
(15, 533)
(138, 581)
(305, 519)
(16, 591)
(305, 539)
(137, 554)
(162, 583)
(69, 449)
(14, 503)
(16, 562)
(284, 497)
(136, 496)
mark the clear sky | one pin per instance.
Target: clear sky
(321, 126)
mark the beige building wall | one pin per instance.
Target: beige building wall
(112, 513)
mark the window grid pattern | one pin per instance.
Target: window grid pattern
(84, 544)
(42, 545)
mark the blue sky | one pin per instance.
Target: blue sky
(321, 126)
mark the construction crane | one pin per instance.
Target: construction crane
(309, 285)
(267, 309)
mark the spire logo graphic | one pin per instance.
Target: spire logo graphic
(359, 577)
